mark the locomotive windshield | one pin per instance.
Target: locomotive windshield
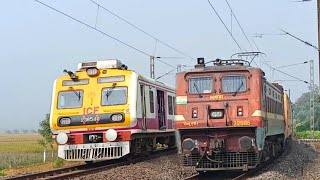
(200, 85)
(234, 84)
(70, 99)
(114, 96)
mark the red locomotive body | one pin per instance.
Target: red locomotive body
(228, 116)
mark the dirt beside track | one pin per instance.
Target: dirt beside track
(299, 161)
(164, 168)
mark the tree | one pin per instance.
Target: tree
(45, 132)
(16, 131)
(25, 131)
(301, 111)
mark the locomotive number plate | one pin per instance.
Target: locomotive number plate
(216, 97)
(241, 123)
(190, 124)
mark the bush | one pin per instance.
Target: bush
(58, 162)
(307, 134)
(2, 174)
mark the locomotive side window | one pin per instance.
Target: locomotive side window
(200, 85)
(234, 84)
(114, 96)
(70, 99)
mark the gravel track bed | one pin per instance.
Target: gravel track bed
(301, 161)
(164, 168)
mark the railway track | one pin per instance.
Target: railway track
(80, 170)
(237, 175)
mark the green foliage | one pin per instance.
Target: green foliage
(307, 135)
(45, 132)
(2, 174)
(58, 163)
(301, 111)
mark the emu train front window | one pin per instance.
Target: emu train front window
(200, 85)
(70, 99)
(114, 96)
(234, 84)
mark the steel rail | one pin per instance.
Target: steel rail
(80, 170)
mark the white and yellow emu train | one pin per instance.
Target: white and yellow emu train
(104, 111)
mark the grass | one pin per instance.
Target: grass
(20, 149)
(21, 153)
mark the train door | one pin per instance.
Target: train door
(143, 107)
(161, 109)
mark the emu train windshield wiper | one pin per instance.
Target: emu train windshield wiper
(235, 93)
(78, 94)
(109, 92)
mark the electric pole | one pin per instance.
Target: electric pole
(312, 99)
(179, 68)
(318, 11)
(152, 75)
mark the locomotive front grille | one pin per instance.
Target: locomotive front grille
(222, 161)
(95, 151)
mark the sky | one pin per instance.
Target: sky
(37, 43)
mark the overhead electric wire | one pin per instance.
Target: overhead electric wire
(305, 62)
(305, 42)
(164, 62)
(143, 31)
(235, 17)
(166, 73)
(275, 69)
(225, 25)
(255, 44)
(94, 28)
(83, 23)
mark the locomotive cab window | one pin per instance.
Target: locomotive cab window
(114, 96)
(234, 84)
(200, 85)
(70, 99)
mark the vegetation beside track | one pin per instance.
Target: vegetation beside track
(21, 153)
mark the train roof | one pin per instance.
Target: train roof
(155, 82)
(117, 64)
(222, 65)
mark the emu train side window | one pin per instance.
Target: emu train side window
(234, 84)
(151, 101)
(70, 99)
(114, 96)
(200, 85)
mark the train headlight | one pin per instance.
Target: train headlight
(62, 138)
(216, 114)
(117, 117)
(111, 135)
(245, 142)
(240, 111)
(65, 121)
(188, 144)
(92, 71)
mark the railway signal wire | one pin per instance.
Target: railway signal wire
(100, 31)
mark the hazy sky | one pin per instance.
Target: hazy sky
(36, 43)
